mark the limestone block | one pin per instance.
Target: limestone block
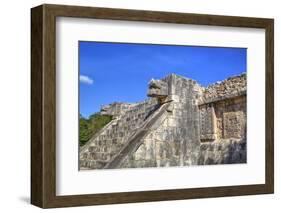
(172, 122)
(234, 124)
(224, 151)
(207, 123)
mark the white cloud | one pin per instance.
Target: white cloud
(85, 79)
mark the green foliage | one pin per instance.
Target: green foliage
(89, 127)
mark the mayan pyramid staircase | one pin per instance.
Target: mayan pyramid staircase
(88, 144)
(135, 140)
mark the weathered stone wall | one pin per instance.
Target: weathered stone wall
(107, 143)
(226, 142)
(231, 87)
(176, 140)
(231, 117)
(200, 126)
(223, 115)
(223, 119)
(223, 151)
(116, 109)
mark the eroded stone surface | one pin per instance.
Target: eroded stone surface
(180, 124)
(223, 151)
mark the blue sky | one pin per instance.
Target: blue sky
(120, 72)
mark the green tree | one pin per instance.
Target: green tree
(89, 127)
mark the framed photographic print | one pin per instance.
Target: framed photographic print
(136, 106)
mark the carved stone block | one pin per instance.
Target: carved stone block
(233, 124)
(207, 123)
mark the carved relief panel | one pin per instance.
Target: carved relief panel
(234, 124)
(207, 123)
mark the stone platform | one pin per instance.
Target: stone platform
(180, 124)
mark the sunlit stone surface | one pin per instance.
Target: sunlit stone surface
(180, 124)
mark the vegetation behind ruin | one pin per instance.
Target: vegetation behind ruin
(89, 127)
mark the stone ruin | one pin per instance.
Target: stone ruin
(180, 124)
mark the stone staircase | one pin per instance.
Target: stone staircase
(135, 140)
(99, 151)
